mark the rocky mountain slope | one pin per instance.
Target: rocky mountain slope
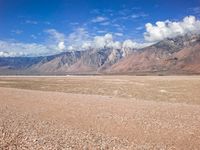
(175, 55)
(74, 62)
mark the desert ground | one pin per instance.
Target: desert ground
(100, 112)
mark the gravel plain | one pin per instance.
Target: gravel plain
(106, 113)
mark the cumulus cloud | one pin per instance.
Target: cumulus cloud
(102, 41)
(61, 45)
(107, 41)
(169, 29)
(82, 41)
(128, 44)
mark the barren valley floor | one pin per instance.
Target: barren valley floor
(100, 112)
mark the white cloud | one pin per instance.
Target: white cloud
(76, 39)
(70, 48)
(86, 45)
(7, 54)
(99, 19)
(130, 44)
(55, 35)
(98, 42)
(168, 29)
(12, 49)
(115, 45)
(56, 38)
(102, 41)
(61, 45)
(107, 41)
(81, 39)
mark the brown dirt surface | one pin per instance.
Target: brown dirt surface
(100, 112)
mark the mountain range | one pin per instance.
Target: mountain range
(179, 55)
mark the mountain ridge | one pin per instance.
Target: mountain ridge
(179, 55)
(170, 55)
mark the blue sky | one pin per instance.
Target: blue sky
(49, 22)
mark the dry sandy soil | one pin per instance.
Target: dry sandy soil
(100, 112)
